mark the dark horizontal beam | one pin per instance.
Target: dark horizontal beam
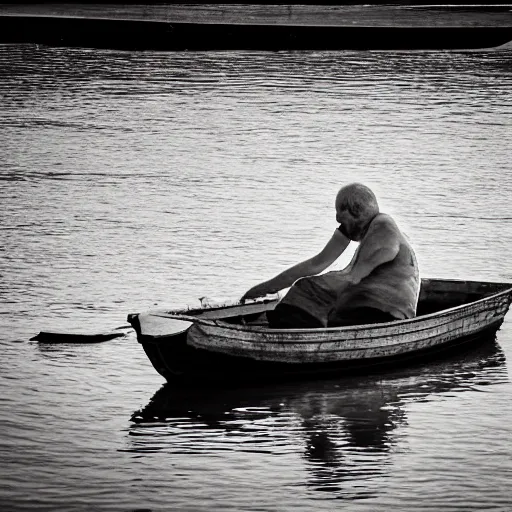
(289, 2)
(144, 35)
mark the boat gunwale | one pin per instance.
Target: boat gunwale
(352, 328)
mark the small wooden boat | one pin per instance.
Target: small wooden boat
(232, 341)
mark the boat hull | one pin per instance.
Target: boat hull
(178, 362)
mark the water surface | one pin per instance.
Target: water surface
(134, 180)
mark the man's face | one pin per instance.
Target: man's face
(346, 221)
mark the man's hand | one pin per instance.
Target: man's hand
(260, 290)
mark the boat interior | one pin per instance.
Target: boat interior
(435, 295)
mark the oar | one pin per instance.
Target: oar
(68, 337)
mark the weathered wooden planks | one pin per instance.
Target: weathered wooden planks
(361, 342)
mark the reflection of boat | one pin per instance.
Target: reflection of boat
(478, 364)
(233, 341)
(258, 27)
(344, 429)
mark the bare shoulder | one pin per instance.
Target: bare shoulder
(383, 225)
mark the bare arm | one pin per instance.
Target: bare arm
(312, 266)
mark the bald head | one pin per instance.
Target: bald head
(356, 207)
(359, 200)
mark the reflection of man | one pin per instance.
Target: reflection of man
(380, 284)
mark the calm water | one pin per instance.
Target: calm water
(129, 180)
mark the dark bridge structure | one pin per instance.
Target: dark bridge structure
(287, 26)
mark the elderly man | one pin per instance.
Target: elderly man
(381, 283)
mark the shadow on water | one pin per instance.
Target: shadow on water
(344, 429)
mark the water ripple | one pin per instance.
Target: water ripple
(134, 179)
